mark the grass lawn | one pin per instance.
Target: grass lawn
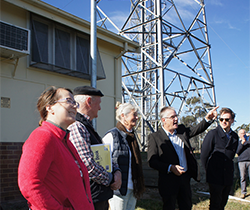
(152, 201)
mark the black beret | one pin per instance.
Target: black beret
(87, 90)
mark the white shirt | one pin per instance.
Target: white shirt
(179, 148)
(108, 139)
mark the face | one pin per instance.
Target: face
(170, 121)
(95, 106)
(227, 121)
(63, 113)
(242, 133)
(130, 119)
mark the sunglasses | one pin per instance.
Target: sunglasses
(226, 119)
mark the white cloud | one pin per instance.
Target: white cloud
(227, 24)
(214, 2)
(118, 17)
(187, 10)
(185, 3)
(246, 20)
(230, 26)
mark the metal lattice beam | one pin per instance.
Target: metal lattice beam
(174, 62)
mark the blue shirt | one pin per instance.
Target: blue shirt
(246, 137)
(179, 148)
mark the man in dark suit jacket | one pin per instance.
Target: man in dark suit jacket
(170, 152)
(217, 153)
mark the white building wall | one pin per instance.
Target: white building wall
(24, 84)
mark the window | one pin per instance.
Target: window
(40, 42)
(61, 49)
(82, 58)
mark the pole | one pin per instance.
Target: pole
(160, 52)
(93, 48)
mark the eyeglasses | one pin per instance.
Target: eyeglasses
(68, 101)
(226, 119)
(172, 117)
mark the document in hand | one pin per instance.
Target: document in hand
(102, 155)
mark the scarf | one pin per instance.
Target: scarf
(136, 163)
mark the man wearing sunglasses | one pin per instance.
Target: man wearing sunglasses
(217, 154)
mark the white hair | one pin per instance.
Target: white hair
(124, 108)
(163, 111)
(81, 98)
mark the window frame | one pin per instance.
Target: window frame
(73, 36)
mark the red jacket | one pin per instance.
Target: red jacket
(48, 176)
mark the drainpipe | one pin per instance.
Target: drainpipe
(124, 51)
(116, 63)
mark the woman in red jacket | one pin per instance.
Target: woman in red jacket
(51, 175)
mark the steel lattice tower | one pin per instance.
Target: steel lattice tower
(174, 62)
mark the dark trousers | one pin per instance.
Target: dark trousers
(244, 168)
(102, 205)
(218, 196)
(183, 196)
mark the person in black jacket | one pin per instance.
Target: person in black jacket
(170, 153)
(217, 153)
(243, 152)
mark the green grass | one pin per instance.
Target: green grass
(152, 201)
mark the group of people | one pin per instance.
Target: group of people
(57, 169)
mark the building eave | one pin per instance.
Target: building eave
(58, 15)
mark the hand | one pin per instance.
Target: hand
(212, 114)
(177, 170)
(116, 185)
(243, 140)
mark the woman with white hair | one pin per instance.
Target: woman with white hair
(126, 153)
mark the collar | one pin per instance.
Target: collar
(168, 133)
(230, 131)
(246, 138)
(56, 129)
(67, 131)
(84, 115)
(56, 125)
(130, 131)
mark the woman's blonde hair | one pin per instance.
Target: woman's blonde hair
(123, 108)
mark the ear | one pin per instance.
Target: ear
(50, 109)
(89, 101)
(122, 115)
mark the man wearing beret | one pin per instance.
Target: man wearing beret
(83, 135)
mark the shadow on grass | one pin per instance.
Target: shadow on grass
(151, 199)
(146, 204)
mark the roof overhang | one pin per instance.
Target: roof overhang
(58, 15)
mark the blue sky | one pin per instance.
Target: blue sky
(228, 29)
